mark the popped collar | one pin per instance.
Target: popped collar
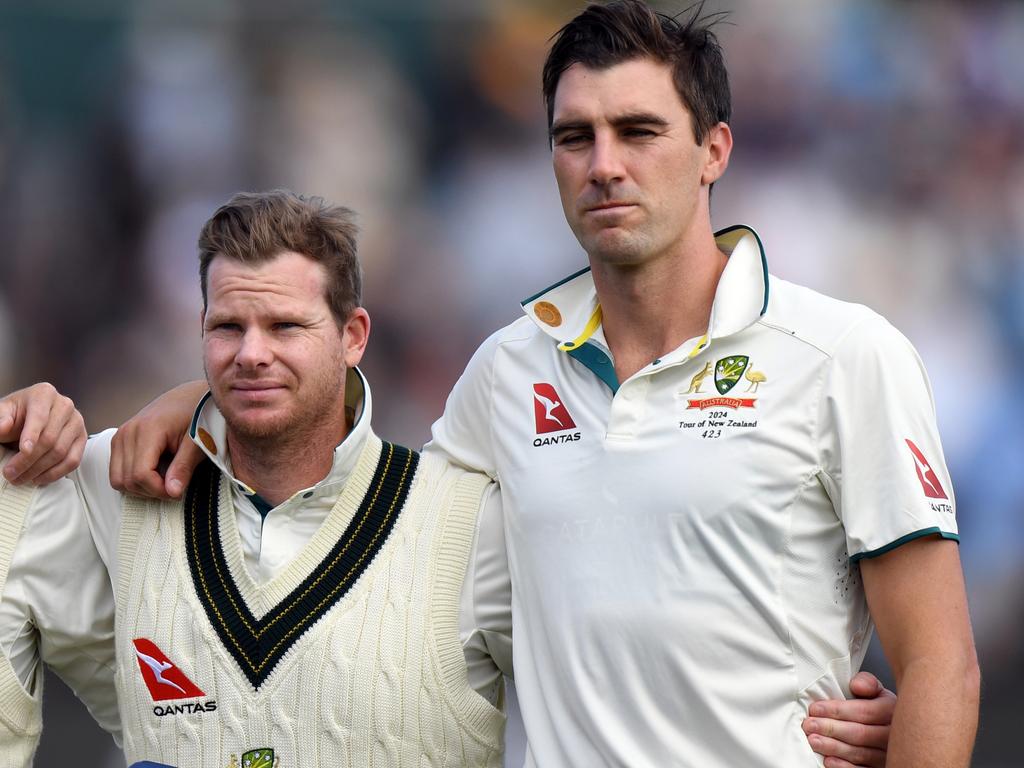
(208, 430)
(570, 313)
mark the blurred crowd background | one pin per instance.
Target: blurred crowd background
(879, 153)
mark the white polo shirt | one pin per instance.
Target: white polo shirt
(682, 545)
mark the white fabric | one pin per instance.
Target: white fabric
(682, 558)
(20, 711)
(57, 606)
(268, 547)
(380, 679)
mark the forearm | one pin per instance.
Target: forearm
(919, 603)
(936, 715)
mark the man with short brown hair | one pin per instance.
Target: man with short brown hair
(311, 598)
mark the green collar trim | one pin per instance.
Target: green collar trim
(760, 247)
(552, 287)
(195, 415)
(598, 362)
(263, 506)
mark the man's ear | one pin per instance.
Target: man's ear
(719, 143)
(354, 335)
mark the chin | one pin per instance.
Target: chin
(616, 246)
(267, 428)
(619, 255)
(256, 422)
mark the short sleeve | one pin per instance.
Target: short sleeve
(463, 433)
(879, 447)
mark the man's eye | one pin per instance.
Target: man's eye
(639, 133)
(572, 139)
(285, 326)
(231, 327)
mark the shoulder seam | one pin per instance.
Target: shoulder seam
(838, 341)
(524, 334)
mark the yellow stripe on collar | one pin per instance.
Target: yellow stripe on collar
(588, 330)
(697, 349)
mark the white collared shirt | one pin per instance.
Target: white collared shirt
(682, 544)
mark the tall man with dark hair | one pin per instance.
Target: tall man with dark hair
(713, 481)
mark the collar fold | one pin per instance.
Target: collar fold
(570, 313)
(208, 430)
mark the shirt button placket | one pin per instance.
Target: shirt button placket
(628, 407)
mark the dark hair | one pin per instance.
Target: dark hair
(256, 227)
(604, 35)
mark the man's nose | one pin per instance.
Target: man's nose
(254, 349)
(606, 164)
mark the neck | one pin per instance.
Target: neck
(276, 469)
(651, 309)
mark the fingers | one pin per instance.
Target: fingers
(865, 685)
(159, 429)
(64, 458)
(116, 453)
(134, 461)
(852, 734)
(184, 464)
(8, 414)
(839, 754)
(50, 434)
(873, 711)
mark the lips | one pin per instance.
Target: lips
(255, 386)
(609, 210)
(613, 205)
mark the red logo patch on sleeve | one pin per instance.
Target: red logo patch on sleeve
(164, 680)
(549, 411)
(929, 480)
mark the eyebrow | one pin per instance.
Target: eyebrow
(630, 118)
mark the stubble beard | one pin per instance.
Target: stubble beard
(621, 249)
(311, 412)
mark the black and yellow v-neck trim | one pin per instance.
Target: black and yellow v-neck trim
(258, 644)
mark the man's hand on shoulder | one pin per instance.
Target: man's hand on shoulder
(142, 443)
(853, 732)
(46, 430)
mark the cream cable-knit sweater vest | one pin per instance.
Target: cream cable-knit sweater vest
(350, 657)
(21, 718)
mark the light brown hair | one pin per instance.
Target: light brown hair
(256, 227)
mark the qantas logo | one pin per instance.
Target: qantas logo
(929, 480)
(164, 680)
(550, 415)
(549, 411)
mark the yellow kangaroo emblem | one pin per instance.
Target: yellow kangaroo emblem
(698, 379)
